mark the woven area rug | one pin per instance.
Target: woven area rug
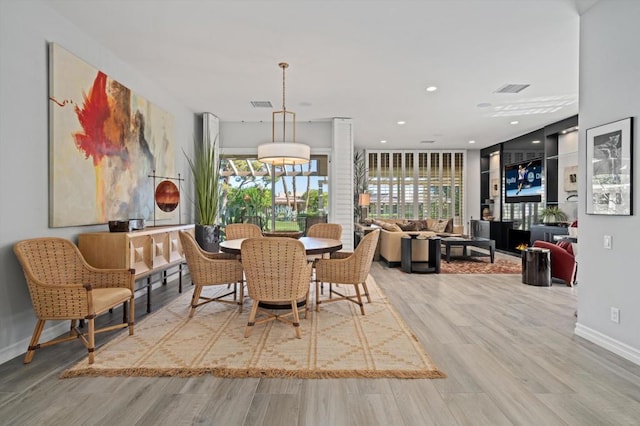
(481, 266)
(337, 342)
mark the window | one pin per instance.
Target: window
(249, 196)
(416, 184)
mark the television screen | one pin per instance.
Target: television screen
(523, 181)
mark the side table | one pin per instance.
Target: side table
(407, 264)
(536, 266)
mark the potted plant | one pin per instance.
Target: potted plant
(359, 182)
(205, 171)
(552, 214)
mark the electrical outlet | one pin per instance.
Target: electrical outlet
(607, 242)
(615, 315)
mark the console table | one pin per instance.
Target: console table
(148, 251)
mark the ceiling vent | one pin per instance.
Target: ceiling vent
(427, 141)
(512, 88)
(261, 104)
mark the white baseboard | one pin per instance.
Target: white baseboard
(20, 347)
(625, 351)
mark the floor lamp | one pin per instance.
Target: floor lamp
(364, 201)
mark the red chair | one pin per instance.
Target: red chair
(563, 262)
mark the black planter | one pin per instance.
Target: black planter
(208, 237)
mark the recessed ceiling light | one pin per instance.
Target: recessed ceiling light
(483, 105)
(535, 141)
(432, 89)
(383, 141)
(472, 141)
(400, 123)
(514, 122)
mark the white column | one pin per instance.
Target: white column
(341, 179)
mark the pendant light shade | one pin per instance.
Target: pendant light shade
(283, 153)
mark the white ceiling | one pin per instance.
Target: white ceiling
(368, 60)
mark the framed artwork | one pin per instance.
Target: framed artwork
(571, 179)
(105, 142)
(495, 187)
(610, 168)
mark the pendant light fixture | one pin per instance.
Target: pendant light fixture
(283, 153)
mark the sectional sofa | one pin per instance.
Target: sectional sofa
(392, 231)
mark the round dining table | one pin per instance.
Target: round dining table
(312, 245)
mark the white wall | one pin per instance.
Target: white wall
(609, 91)
(25, 29)
(567, 157)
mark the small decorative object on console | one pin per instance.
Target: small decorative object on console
(126, 225)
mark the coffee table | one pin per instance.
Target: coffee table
(465, 242)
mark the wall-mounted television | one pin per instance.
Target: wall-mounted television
(523, 181)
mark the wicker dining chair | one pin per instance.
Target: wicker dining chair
(347, 268)
(277, 273)
(211, 269)
(324, 230)
(63, 286)
(234, 231)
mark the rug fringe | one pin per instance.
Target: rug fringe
(253, 373)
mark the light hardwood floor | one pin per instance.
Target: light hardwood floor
(508, 350)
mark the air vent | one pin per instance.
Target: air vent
(261, 104)
(427, 141)
(512, 88)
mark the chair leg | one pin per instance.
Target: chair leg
(318, 295)
(33, 345)
(194, 300)
(366, 291)
(296, 318)
(131, 318)
(359, 299)
(91, 347)
(306, 305)
(72, 331)
(252, 319)
(241, 302)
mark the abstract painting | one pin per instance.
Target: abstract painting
(610, 168)
(105, 142)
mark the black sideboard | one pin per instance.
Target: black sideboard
(493, 229)
(546, 232)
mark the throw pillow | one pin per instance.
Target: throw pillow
(449, 227)
(565, 245)
(440, 226)
(421, 225)
(431, 224)
(409, 226)
(391, 227)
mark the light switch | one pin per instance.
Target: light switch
(607, 242)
